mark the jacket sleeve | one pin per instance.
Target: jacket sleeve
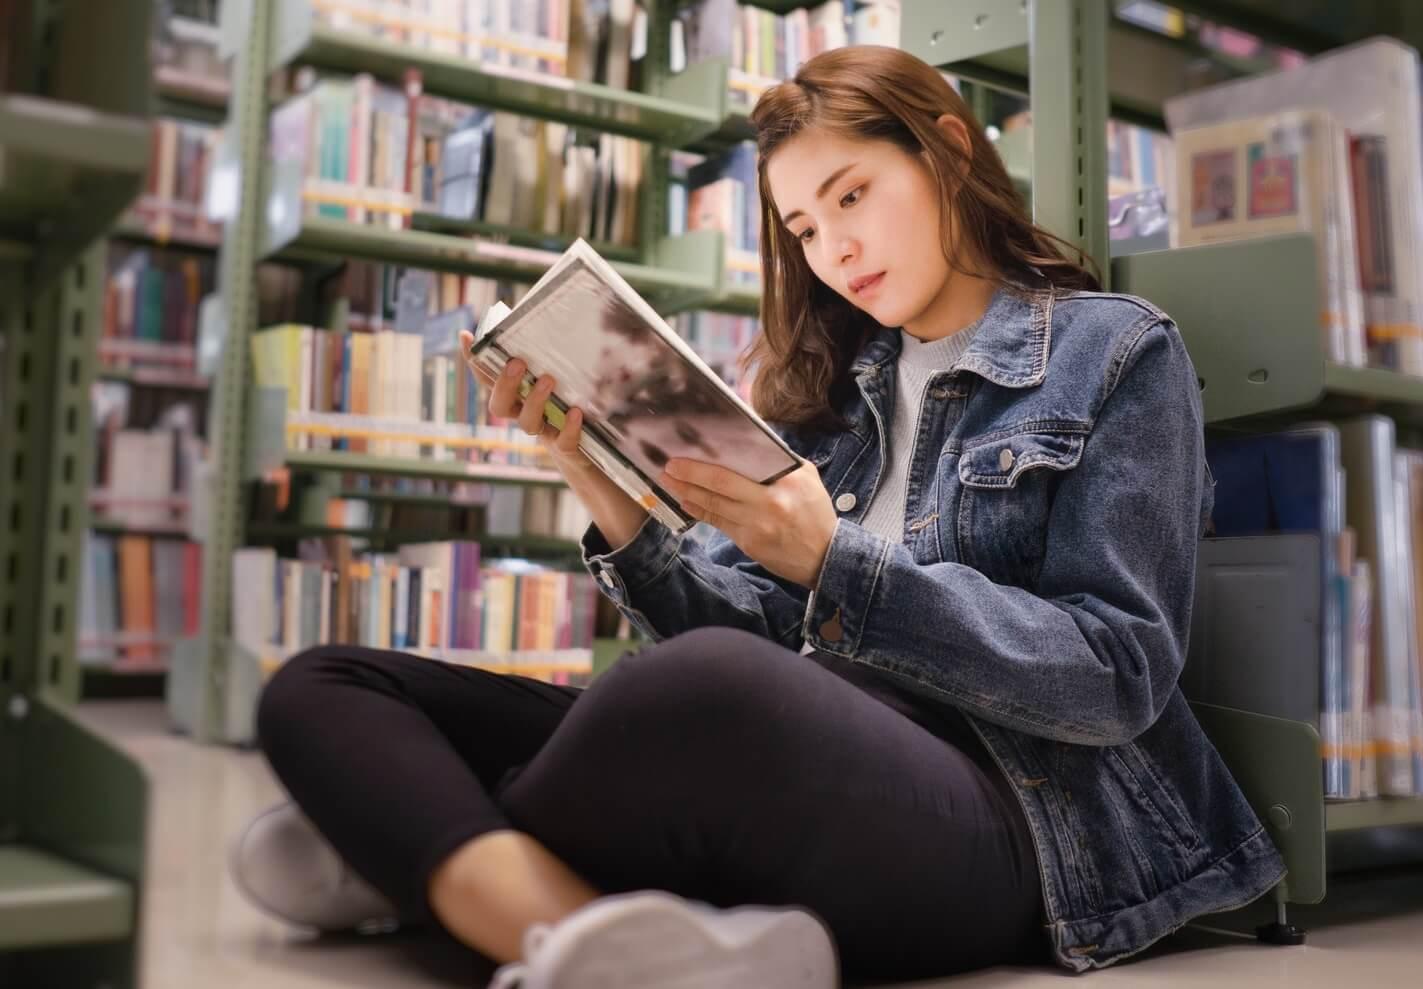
(1092, 655)
(667, 585)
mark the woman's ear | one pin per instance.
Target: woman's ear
(956, 131)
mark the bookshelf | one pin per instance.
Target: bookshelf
(74, 128)
(148, 356)
(214, 690)
(1252, 336)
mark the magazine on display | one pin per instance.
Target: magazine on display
(646, 396)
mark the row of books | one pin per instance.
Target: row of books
(152, 300)
(356, 150)
(476, 509)
(138, 596)
(147, 447)
(377, 393)
(720, 192)
(522, 34)
(720, 339)
(495, 512)
(763, 47)
(1360, 492)
(1333, 147)
(428, 596)
(174, 200)
(1137, 158)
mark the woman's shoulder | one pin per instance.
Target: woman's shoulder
(1108, 325)
(1104, 310)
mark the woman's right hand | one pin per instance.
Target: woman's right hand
(504, 402)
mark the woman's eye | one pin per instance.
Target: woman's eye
(851, 197)
(805, 235)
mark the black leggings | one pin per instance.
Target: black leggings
(716, 764)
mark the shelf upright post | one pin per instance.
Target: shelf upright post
(237, 262)
(44, 462)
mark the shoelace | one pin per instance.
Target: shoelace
(511, 976)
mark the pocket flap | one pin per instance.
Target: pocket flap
(997, 463)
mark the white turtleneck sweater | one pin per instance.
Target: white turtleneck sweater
(917, 361)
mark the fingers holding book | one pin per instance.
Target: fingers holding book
(529, 402)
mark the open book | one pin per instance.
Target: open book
(645, 394)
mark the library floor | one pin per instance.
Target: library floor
(200, 932)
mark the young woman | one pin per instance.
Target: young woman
(922, 691)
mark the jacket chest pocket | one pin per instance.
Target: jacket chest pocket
(1006, 485)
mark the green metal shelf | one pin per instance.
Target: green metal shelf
(190, 96)
(45, 900)
(69, 172)
(113, 527)
(1255, 337)
(361, 463)
(435, 223)
(1312, 26)
(324, 237)
(735, 300)
(689, 109)
(1356, 815)
(129, 228)
(153, 378)
(529, 545)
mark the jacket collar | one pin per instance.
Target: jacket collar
(1010, 347)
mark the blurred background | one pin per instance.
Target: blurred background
(239, 238)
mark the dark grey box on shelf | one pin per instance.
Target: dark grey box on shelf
(1255, 629)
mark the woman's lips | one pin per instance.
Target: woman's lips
(865, 286)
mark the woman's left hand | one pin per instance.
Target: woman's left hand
(786, 526)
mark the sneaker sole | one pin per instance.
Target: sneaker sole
(792, 951)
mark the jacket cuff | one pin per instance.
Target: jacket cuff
(630, 567)
(840, 602)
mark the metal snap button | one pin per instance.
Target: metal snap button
(845, 502)
(831, 630)
(1005, 458)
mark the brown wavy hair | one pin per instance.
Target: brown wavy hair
(809, 333)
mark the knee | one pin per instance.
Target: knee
(713, 675)
(293, 695)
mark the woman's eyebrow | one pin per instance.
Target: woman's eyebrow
(820, 193)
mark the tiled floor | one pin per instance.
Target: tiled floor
(199, 931)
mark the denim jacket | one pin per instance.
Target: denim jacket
(1056, 494)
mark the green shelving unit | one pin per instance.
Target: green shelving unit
(1254, 337)
(74, 143)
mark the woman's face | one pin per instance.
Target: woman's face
(866, 216)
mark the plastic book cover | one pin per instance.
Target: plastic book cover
(1372, 90)
(645, 394)
(1367, 446)
(1273, 174)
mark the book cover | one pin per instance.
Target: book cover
(645, 394)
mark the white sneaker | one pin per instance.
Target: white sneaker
(657, 940)
(286, 868)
